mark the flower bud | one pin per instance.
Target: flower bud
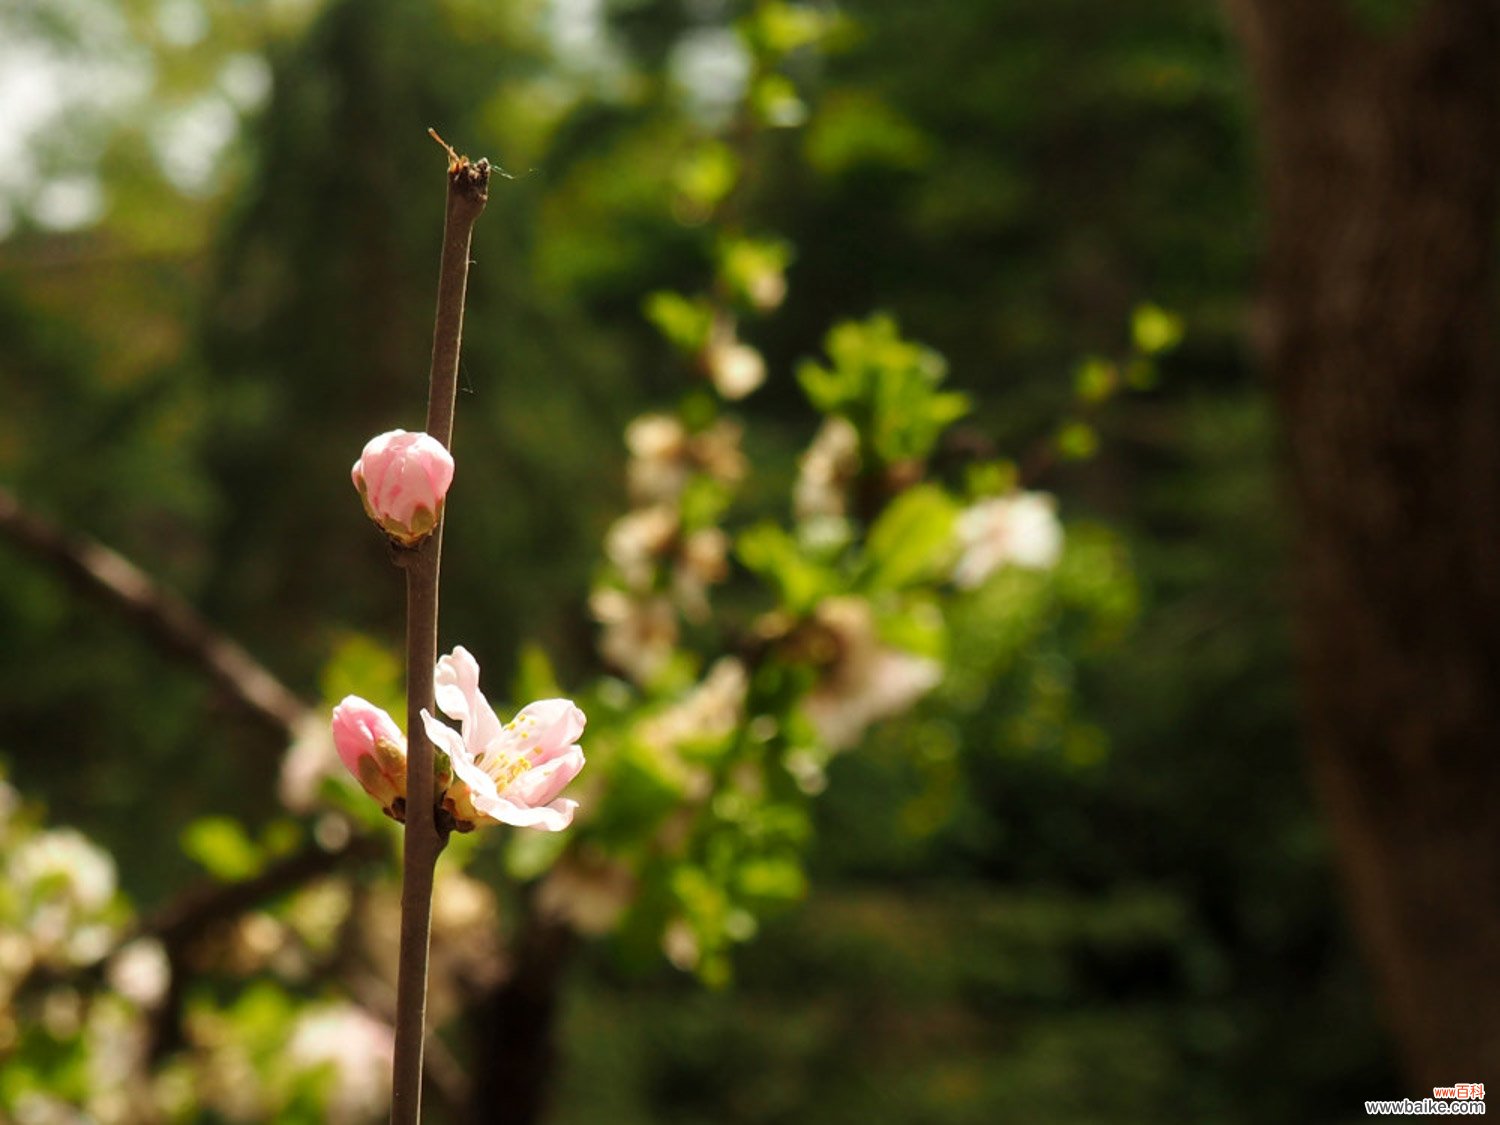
(373, 749)
(402, 479)
(735, 368)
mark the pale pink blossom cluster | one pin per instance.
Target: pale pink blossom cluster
(710, 711)
(661, 569)
(639, 634)
(511, 773)
(664, 456)
(501, 773)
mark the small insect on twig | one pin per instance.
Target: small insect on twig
(454, 160)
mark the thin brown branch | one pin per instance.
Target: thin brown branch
(107, 576)
(468, 191)
(441, 1072)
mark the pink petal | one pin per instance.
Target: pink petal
(541, 784)
(552, 725)
(357, 725)
(446, 739)
(458, 696)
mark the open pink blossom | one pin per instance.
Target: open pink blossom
(373, 749)
(402, 478)
(507, 773)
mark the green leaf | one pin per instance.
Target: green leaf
(1097, 379)
(912, 541)
(643, 786)
(773, 554)
(1155, 330)
(685, 323)
(704, 502)
(222, 848)
(1077, 441)
(754, 270)
(885, 386)
(360, 665)
(772, 880)
(280, 838)
(942, 411)
(780, 28)
(827, 390)
(991, 478)
(707, 174)
(777, 103)
(918, 629)
(856, 130)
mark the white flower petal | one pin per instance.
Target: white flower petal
(446, 739)
(551, 818)
(458, 696)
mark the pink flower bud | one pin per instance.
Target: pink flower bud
(373, 749)
(402, 478)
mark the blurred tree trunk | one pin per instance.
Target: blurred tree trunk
(1381, 153)
(516, 1023)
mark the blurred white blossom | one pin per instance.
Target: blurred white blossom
(735, 367)
(357, 1046)
(1019, 530)
(863, 680)
(664, 456)
(826, 470)
(589, 893)
(639, 633)
(702, 561)
(140, 972)
(712, 710)
(61, 886)
(638, 540)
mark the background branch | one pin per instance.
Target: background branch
(184, 921)
(109, 577)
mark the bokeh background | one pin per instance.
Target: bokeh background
(1091, 880)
